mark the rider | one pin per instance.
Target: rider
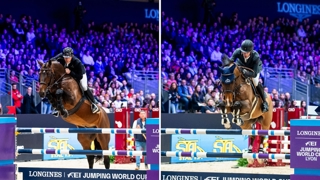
(250, 58)
(75, 68)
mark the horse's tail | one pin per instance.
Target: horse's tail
(97, 146)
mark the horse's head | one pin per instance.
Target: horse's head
(48, 75)
(229, 73)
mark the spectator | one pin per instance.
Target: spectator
(46, 106)
(303, 104)
(118, 103)
(152, 105)
(197, 99)
(140, 139)
(174, 98)
(13, 77)
(28, 105)
(17, 98)
(185, 97)
(87, 59)
(209, 108)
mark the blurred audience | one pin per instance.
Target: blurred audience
(111, 54)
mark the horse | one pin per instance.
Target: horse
(241, 99)
(66, 95)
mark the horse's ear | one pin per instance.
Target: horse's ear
(220, 69)
(40, 63)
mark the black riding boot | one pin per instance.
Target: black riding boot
(264, 106)
(94, 107)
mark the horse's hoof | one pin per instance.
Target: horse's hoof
(239, 122)
(227, 126)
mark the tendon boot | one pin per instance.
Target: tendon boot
(55, 113)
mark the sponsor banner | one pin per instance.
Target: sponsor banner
(90, 174)
(153, 148)
(152, 14)
(207, 143)
(305, 147)
(300, 177)
(7, 131)
(7, 172)
(220, 176)
(66, 142)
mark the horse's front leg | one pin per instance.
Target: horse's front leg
(224, 117)
(60, 106)
(236, 113)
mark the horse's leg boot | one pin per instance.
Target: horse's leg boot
(265, 106)
(94, 107)
(55, 113)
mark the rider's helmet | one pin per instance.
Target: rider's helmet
(246, 46)
(67, 52)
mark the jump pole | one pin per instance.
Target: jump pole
(152, 134)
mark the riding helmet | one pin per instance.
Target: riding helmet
(67, 52)
(246, 46)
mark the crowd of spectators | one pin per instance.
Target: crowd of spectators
(110, 53)
(191, 54)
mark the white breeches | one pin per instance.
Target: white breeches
(256, 80)
(84, 82)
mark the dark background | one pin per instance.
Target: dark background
(193, 11)
(61, 11)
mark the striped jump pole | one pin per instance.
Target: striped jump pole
(80, 130)
(225, 155)
(276, 142)
(310, 117)
(225, 131)
(285, 128)
(287, 161)
(276, 150)
(82, 152)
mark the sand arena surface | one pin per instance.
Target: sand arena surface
(223, 167)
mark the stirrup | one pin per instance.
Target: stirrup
(94, 108)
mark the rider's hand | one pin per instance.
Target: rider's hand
(244, 71)
(68, 71)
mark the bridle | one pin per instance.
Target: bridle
(52, 81)
(234, 90)
(231, 89)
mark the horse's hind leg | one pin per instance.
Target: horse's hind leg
(86, 141)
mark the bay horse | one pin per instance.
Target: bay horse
(241, 99)
(65, 94)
